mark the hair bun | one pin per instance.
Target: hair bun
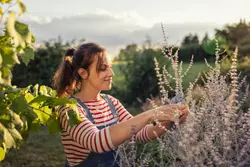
(70, 52)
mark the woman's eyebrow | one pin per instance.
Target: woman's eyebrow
(107, 64)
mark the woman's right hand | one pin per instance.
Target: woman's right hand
(170, 112)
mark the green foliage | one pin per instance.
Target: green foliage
(43, 66)
(190, 39)
(24, 110)
(236, 35)
(140, 80)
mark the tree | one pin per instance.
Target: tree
(42, 68)
(127, 53)
(140, 75)
(190, 39)
(236, 34)
(205, 38)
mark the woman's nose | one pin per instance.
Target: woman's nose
(111, 72)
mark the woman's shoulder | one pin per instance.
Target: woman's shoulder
(114, 100)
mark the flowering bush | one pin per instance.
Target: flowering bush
(217, 130)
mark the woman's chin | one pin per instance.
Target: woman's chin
(106, 88)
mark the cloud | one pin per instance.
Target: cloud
(112, 30)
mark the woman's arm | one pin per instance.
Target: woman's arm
(126, 129)
(86, 133)
(147, 133)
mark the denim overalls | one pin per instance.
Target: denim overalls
(105, 159)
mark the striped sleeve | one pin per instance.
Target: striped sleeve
(142, 135)
(86, 133)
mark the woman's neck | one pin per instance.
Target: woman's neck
(88, 93)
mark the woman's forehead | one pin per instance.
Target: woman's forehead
(107, 60)
(104, 60)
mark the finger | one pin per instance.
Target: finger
(166, 117)
(183, 118)
(182, 107)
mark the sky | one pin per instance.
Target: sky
(116, 23)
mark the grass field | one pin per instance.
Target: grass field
(41, 150)
(44, 150)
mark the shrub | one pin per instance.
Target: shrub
(217, 130)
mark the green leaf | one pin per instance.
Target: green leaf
(5, 117)
(9, 57)
(6, 72)
(33, 39)
(35, 89)
(53, 125)
(20, 105)
(22, 7)
(43, 113)
(35, 126)
(2, 154)
(27, 55)
(43, 90)
(39, 99)
(73, 118)
(22, 28)
(25, 90)
(2, 105)
(29, 97)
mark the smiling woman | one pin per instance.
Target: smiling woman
(105, 124)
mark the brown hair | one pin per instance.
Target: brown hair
(66, 79)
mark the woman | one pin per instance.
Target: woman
(106, 124)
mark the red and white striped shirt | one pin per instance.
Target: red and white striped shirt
(79, 140)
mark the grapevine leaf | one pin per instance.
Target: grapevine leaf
(27, 55)
(53, 125)
(43, 90)
(9, 57)
(21, 28)
(39, 99)
(43, 113)
(20, 105)
(73, 118)
(35, 126)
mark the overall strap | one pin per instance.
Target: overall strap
(111, 105)
(89, 115)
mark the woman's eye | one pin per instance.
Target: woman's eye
(103, 68)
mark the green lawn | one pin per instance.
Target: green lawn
(41, 150)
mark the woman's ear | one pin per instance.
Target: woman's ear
(83, 73)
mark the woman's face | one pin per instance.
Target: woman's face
(102, 79)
